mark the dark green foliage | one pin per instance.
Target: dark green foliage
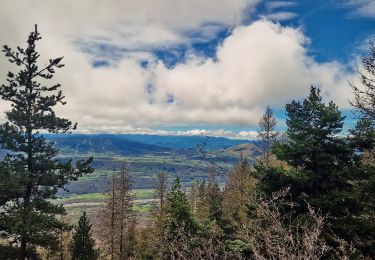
(361, 227)
(215, 203)
(131, 242)
(30, 174)
(364, 96)
(83, 245)
(325, 173)
(312, 131)
(176, 225)
(314, 149)
(178, 210)
(9, 185)
(362, 137)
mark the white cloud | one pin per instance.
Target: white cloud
(105, 28)
(281, 16)
(247, 135)
(243, 135)
(275, 14)
(271, 5)
(258, 64)
(263, 63)
(126, 23)
(365, 8)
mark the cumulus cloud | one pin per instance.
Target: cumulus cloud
(257, 64)
(121, 30)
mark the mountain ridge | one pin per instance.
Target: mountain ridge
(137, 144)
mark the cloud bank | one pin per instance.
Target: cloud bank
(256, 64)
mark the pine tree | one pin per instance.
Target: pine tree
(83, 245)
(325, 174)
(314, 148)
(362, 140)
(178, 227)
(129, 239)
(364, 96)
(30, 172)
(178, 209)
(312, 131)
(267, 132)
(362, 136)
(215, 202)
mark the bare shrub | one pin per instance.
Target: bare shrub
(273, 234)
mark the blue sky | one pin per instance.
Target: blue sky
(336, 30)
(197, 66)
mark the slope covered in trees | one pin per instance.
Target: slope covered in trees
(30, 174)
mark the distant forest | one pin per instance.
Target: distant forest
(308, 194)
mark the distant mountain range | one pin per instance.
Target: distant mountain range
(114, 144)
(139, 144)
(148, 155)
(186, 142)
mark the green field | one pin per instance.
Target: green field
(95, 197)
(92, 203)
(87, 193)
(142, 169)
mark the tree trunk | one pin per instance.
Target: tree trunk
(113, 219)
(27, 197)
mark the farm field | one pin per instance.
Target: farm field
(144, 157)
(92, 203)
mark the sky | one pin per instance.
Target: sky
(188, 67)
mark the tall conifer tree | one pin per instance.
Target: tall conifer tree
(364, 96)
(267, 132)
(178, 210)
(83, 245)
(30, 173)
(326, 173)
(313, 129)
